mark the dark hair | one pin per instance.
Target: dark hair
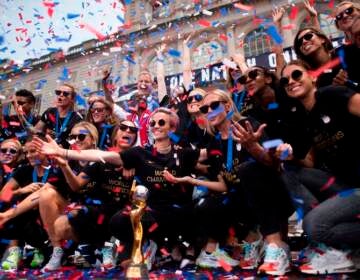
(327, 44)
(26, 93)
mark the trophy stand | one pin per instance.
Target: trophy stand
(137, 269)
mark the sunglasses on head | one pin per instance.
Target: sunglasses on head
(251, 75)
(296, 75)
(97, 110)
(213, 106)
(124, 127)
(196, 98)
(9, 150)
(81, 137)
(308, 36)
(63, 93)
(349, 11)
(160, 122)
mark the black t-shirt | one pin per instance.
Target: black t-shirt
(335, 134)
(12, 126)
(149, 166)
(111, 186)
(49, 117)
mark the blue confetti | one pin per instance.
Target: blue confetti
(129, 59)
(174, 53)
(272, 143)
(274, 34)
(120, 18)
(347, 193)
(173, 137)
(2, 40)
(71, 16)
(273, 106)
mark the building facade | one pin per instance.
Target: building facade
(219, 29)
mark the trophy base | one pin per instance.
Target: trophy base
(136, 271)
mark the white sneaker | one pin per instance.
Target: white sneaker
(332, 261)
(108, 256)
(309, 251)
(276, 261)
(215, 259)
(55, 260)
(149, 252)
(253, 253)
(12, 260)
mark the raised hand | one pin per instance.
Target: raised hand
(50, 148)
(278, 14)
(310, 9)
(106, 73)
(246, 135)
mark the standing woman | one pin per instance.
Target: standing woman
(58, 121)
(345, 13)
(100, 114)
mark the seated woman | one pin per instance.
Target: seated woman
(10, 158)
(333, 113)
(25, 180)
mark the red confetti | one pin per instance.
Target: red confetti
(100, 219)
(52, 118)
(225, 265)
(153, 227)
(327, 184)
(293, 13)
(91, 29)
(204, 23)
(331, 4)
(7, 168)
(215, 153)
(331, 64)
(120, 248)
(50, 12)
(15, 123)
(53, 179)
(290, 26)
(6, 194)
(164, 252)
(117, 190)
(157, 186)
(20, 16)
(223, 37)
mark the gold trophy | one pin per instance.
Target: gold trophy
(137, 269)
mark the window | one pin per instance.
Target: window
(257, 42)
(206, 53)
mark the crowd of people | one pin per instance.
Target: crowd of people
(225, 167)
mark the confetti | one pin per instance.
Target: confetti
(272, 143)
(274, 34)
(174, 53)
(243, 7)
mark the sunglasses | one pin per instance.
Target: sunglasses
(9, 150)
(97, 110)
(124, 127)
(213, 106)
(251, 75)
(160, 122)
(296, 75)
(196, 98)
(308, 36)
(349, 11)
(63, 93)
(81, 137)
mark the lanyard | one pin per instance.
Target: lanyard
(63, 126)
(103, 134)
(229, 157)
(44, 178)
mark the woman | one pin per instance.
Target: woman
(25, 180)
(315, 48)
(58, 121)
(112, 190)
(100, 114)
(345, 13)
(10, 158)
(250, 184)
(333, 112)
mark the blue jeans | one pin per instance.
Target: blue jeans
(336, 221)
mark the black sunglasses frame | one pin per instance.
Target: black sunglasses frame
(12, 151)
(308, 36)
(124, 127)
(296, 75)
(81, 137)
(213, 105)
(97, 110)
(63, 93)
(160, 122)
(252, 74)
(349, 11)
(197, 97)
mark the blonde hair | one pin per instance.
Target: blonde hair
(198, 90)
(18, 146)
(73, 91)
(225, 97)
(94, 134)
